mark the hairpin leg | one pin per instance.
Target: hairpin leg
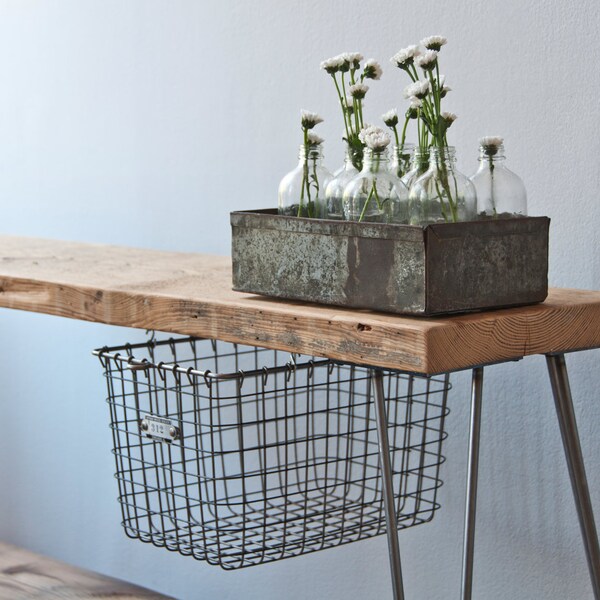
(561, 390)
(388, 489)
(472, 476)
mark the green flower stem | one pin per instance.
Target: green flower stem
(356, 103)
(372, 194)
(305, 181)
(342, 104)
(406, 120)
(491, 161)
(441, 197)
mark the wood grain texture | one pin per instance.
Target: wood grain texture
(191, 294)
(25, 575)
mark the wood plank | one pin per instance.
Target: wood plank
(25, 575)
(191, 294)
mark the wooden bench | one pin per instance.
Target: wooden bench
(25, 575)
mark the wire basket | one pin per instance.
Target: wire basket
(239, 455)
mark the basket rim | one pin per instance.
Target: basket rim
(114, 354)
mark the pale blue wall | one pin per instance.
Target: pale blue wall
(146, 122)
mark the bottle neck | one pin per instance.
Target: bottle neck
(375, 160)
(420, 159)
(348, 164)
(402, 151)
(439, 157)
(312, 154)
(492, 155)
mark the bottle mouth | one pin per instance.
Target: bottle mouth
(310, 151)
(379, 153)
(446, 153)
(491, 151)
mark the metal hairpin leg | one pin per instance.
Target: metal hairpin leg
(472, 474)
(388, 489)
(559, 380)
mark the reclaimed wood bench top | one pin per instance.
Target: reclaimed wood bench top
(24, 574)
(191, 294)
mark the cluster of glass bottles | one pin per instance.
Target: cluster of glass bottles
(414, 187)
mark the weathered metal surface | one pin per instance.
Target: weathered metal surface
(437, 269)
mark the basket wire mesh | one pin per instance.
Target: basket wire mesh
(239, 455)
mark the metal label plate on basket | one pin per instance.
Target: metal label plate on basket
(159, 428)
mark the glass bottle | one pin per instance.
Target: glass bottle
(375, 195)
(401, 159)
(442, 194)
(500, 192)
(302, 191)
(334, 192)
(419, 164)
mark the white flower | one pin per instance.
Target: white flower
(427, 60)
(309, 119)
(374, 138)
(349, 104)
(352, 58)
(448, 117)
(314, 139)
(491, 140)
(372, 69)
(332, 65)
(390, 118)
(416, 102)
(418, 89)
(358, 90)
(434, 42)
(491, 144)
(405, 57)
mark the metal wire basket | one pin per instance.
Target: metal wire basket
(239, 455)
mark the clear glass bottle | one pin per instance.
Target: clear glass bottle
(302, 191)
(334, 192)
(442, 194)
(375, 195)
(500, 192)
(401, 159)
(419, 164)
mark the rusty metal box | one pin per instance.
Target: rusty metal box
(434, 269)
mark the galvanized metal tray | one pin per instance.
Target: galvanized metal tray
(430, 270)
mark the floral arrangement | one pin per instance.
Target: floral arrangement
(430, 187)
(490, 146)
(426, 93)
(310, 178)
(345, 71)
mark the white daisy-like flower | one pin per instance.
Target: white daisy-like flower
(314, 139)
(491, 144)
(449, 117)
(358, 90)
(416, 103)
(434, 42)
(332, 65)
(405, 57)
(491, 140)
(373, 70)
(390, 118)
(427, 60)
(352, 58)
(418, 89)
(374, 138)
(349, 104)
(309, 119)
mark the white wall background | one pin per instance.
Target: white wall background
(145, 122)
